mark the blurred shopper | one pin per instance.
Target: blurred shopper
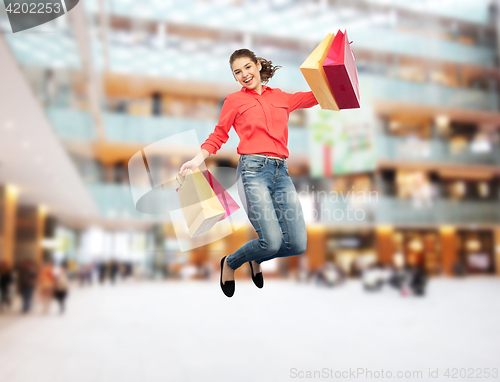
(27, 282)
(330, 275)
(409, 280)
(373, 277)
(356, 269)
(459, 269)
(114, 268)
(46, 284)
(398, 274)
(304, 274)
(138, 272)
(61, 287)
(418, 280)
(156, 100)
(85, 274)
(398, 278)
(50, 88)
(89, 273)
(102, 271)
(6, 279)
(259, 115)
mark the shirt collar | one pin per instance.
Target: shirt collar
(264, 88)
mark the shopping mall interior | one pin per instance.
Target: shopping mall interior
(409, 182)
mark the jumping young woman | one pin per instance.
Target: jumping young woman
(259, 115)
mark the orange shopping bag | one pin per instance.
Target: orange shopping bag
(200, 206)
(313, 72)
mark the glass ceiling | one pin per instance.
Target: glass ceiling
(304, 23)
(263, 13)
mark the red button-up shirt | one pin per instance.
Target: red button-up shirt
(260, 120)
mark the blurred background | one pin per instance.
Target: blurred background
(410, 181)
(90, 89)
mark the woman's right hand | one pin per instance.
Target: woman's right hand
(191, 165)
(194, 163)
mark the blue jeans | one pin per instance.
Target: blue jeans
(272, 205)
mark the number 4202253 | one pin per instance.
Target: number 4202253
(33, 8)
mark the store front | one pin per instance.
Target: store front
(352, 251)
(475, 251)
(419, 247)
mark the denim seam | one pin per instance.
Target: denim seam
(287, 226)
(242, 179)
(247, 200)
(241, 256)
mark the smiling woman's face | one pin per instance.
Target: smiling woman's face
(246, 72)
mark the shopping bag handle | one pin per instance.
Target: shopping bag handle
(353, 56)
(177, 180)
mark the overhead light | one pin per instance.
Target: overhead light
(42, 209)
(473, 245)
(25, 145)
(416, 245)
(393, 125)
(385, 228)
(13, 190)
(442, 122)
(9, 125)
(447, 229)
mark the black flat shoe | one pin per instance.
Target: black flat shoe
(228, 286)
(258, 280)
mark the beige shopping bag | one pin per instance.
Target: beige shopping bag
(200, 206)
(313, 72)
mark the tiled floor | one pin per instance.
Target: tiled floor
(174, 331)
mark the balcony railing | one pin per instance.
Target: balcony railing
(475, 12)
(72, 124)
(78, 125)
(440, 211)
(431, 94)
(432, 150)
(390, 210)
(130, 128)
(115, 201)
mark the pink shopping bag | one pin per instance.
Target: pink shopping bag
(340, 69)
(229, 204)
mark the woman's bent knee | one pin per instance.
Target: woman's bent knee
(270, 245)
(298, 248)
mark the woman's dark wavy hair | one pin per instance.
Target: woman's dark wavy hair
(268, 69)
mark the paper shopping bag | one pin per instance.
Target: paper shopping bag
(228, 203)
(340, 69)
(200, 206)
(313, 72)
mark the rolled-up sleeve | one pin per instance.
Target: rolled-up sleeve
(300, 100)
(221, 133)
